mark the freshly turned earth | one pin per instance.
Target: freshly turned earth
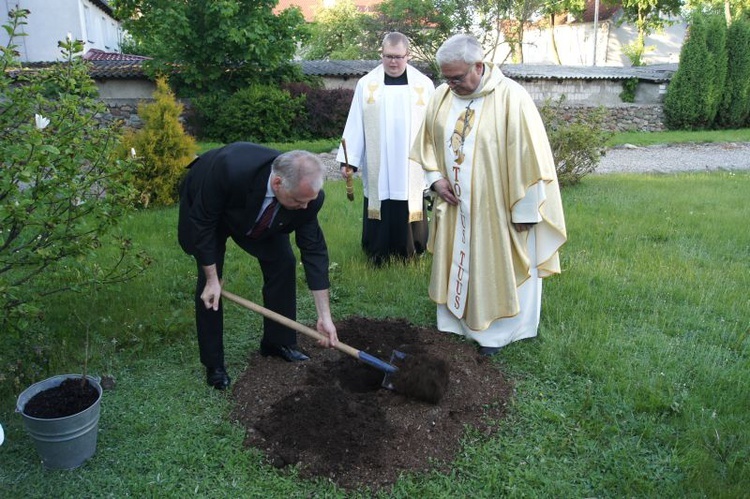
(330, 416)
(72, 396)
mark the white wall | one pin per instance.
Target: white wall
(51, 20)
(126, 90)
(575, 45)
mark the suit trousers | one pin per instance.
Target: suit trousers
(278, 266)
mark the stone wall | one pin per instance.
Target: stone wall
(619, 118)
(127, 112)
(593, 92)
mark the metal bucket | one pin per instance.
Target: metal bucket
(67, 442)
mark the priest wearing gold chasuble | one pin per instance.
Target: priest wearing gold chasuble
(498, 220)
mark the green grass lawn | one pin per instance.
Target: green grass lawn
(680, 136)
(635, 387)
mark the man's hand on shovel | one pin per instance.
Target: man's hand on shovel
(212, 291)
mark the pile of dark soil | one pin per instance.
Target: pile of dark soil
(331, 417)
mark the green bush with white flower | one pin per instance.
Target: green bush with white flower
(62, 191)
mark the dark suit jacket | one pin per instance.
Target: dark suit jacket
(222, 196)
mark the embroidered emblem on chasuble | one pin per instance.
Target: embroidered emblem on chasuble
(420, 93)
(372, 88)
(464, 124)
(460, 178)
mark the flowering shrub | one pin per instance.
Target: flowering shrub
(61, 191)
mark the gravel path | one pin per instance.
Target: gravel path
(676, 158)
(650, 159)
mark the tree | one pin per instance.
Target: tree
(555, 8)
(690, 100)
(735, 106)
(730, 9)
(716, 66)
(62, 192)
(513, 16)
(647, 16)
(213, 45)
(427, 23)
(339, 33)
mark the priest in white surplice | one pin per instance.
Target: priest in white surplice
(498, 219)
(386, 112)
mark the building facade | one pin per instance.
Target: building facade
(51, 21)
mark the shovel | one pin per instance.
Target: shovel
(364, 357)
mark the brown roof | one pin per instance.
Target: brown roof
(100, 55)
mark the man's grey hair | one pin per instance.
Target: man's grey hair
(461, 47)
(294, 167)
(394, 38)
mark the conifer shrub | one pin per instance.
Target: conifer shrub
(258, 113)
(578, 144)
(686, 105)
(716, 67)
(326, 110)
(734, 109)
(161, 147)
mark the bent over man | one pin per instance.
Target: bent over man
(257, 197)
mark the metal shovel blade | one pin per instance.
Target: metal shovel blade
(396, 356)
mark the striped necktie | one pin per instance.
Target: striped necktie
(264, 221)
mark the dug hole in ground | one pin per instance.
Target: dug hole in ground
(331, 418)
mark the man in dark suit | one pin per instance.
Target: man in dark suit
(235, 191)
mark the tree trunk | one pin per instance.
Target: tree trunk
(555, 52)
(727, 12)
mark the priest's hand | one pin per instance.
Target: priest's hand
(347, 170)
(443, 189)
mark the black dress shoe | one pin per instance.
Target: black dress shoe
(217, 377)
(289, 354)
(489, 351)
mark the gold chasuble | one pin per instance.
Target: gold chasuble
(493, 149)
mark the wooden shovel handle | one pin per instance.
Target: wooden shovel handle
(286, 321)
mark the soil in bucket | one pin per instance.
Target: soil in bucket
(72, 396)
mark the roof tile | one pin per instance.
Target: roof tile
(112, 65)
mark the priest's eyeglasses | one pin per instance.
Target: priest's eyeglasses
(455, 80)
(394, 57)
